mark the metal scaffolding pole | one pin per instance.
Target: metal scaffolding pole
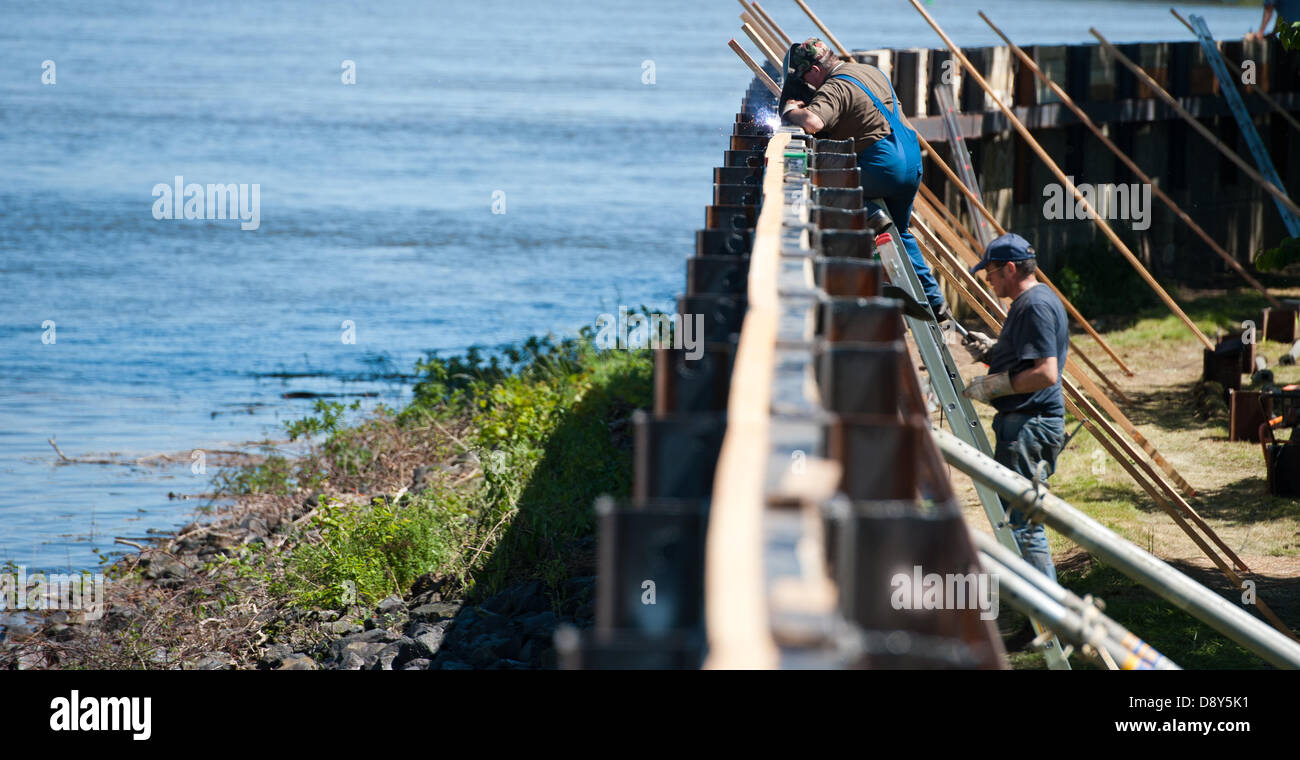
(1178, 589)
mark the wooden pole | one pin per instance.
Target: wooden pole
(1069, 307)
(1065, 181)
(1241, 163)
(772, 24)
(844, 52)
(762, 45)
(770, 44)
(1255, 88)
(761, 25)
(755, 67)
(948, 214)
(1096, 130)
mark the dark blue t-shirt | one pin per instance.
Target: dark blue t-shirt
(1035, 329)
(1287, 9)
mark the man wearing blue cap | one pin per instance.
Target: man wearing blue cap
(1024, 379)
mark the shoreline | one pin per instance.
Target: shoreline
(233, 594)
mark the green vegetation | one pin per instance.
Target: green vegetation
(1097, 281)
(522, 440)
(1284, 254)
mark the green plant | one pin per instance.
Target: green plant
(1280, 256)
(1288, 33)
(365, 553)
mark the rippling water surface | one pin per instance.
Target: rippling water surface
(599, 122)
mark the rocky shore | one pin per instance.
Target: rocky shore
(153, 615)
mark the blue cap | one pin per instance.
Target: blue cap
(1008, 247)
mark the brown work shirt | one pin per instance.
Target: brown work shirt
(847, 111)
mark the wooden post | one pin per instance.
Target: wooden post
(844, 52)
(736, 611)
(762, 46)
(755, 67)
(1069, 307)
(1065, 181)
(1083, 117)
(772, 24)
(1241, 163)
(770, 44)
(1276, 106)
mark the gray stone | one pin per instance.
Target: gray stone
(429, 637)
(387, 656)
(391, 604)
(435, 611)
(166, 568)
(342, 628)
(541, 624)
(298, 662)
(418, 664)
(491, 623)
(119, 618)
(211, 661)
(352, 661)
(366, 645)
(481, 658)
(275, 655)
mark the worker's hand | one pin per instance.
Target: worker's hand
(790, 105)
(989, 387)
(978, 345)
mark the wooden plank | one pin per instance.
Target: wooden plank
(736, 611)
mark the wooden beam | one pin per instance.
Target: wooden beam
(1276, 106)
(1096, 130)
(785, 38)
(1231, 155)
(1065, 180)
(755, 67)
(757, 38)
(844, 52)
(736, 611)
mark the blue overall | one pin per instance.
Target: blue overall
(891, 170)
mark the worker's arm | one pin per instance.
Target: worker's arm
(1043, 374)
(800, 116)
(1263, 25)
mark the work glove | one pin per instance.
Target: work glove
(989, 387)
(941, 314)
(978, 345)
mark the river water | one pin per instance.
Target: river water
(498, 169)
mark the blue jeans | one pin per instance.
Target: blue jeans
(885, 175)
(1022, 441)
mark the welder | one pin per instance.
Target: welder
(856, 100)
